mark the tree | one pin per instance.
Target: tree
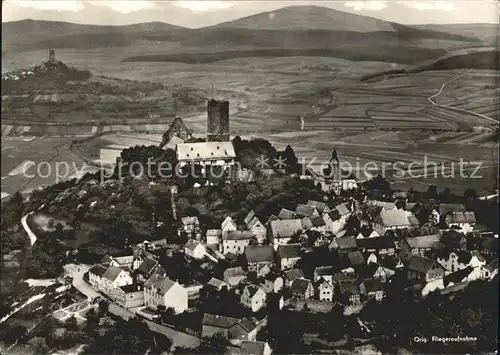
(432, 192)
(38, 345)
(470, 195)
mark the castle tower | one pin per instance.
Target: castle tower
(218, 121)
(52, 56)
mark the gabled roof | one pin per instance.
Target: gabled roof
(349, 288)
(445, 208)
(249, 217)
(383, 204)
(493, 265)
(98, 270)
(346, 243)
(356, 258)
(254, 222)
(300, 286)
(193, 244)
(162, 284)
(259, 253)
(457, 276)
(317, 221)
(285, 228)
(323, 271)
(420, 264)
(305, 210)
(393, 217)
(238, 235)
(306, 223)
(147, 266)
(320, 206)
(478, 255)
(365, 232)
(214, 232)
(289, 251)
(413, 220)
(228, 220)
(252, 347)
(334, 215)
(460, 217)
(205, 151)
(112, 273)
(423, 242)
(217, 321)
(293, 274)
(373, 285)
(252, 290)
(286, 214)
(216, 283)
(383, 242)
(343, 209)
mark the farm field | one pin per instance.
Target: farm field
(21, 159)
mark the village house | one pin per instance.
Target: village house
(381, 246)
(302, 289)
(228, 225)
(272, 283)
(191, 226)
(160, 290)
(491, 270)
(282, 231)
(234, 275)
(286, 214)
(333, 221)
(195, 249)
(349, 292)
(380, 272)
(391, 220)
(344, 245)
(419, 245)
(446, 208)
(321, 207)
(290, 276)
(325, 272)
(121, 261)
(145, 270)
(424, 269)
(217, 284)
(130, 296)
(325, 289)
(271, 218)
(206, 154)
(253, 297)
(288, 255)
(306, 211)
(489, 247)
(239, 329)
(382, 204)
(213, 237)
(258, 230)
(255, 348)
(460, 259)
(265, 270)
(344, 211)
(372, 288)
(356, 259)
(235, 242)
(258, 256)
(106, 280)
(463, 221)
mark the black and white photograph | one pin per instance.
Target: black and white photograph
(249, 177)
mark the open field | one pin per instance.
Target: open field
(30, 164)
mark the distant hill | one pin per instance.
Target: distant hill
(484, 31)
(34, 34)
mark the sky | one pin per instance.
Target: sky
(196, 14)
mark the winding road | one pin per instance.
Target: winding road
(430, 99)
